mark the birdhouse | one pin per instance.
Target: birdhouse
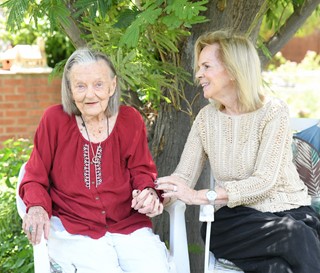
(7, 59)
(25, 57)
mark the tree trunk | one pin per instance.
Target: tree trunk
(173, 126)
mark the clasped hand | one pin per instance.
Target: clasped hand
(147, 202)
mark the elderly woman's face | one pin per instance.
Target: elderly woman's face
(91, 86)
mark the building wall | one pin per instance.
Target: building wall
(296, 49)
(23, 98)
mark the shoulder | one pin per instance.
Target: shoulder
(55, 116)
(274, 113)
(276, 104)
(129, 117)
(54, 111)
(207, 112)
(126, 110)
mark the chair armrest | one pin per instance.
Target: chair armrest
(21, 207)
(40, 251)
(178, 236)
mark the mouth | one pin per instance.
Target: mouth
(91, 103)
(204, 84)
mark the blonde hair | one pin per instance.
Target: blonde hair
(240, 58)
(82, 56)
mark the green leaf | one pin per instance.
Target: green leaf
(126, 17)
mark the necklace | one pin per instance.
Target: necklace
(96, 156)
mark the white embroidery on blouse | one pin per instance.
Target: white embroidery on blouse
(97, 166)
(86, 166)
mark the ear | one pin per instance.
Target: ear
(113, 87)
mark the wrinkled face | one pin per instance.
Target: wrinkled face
(91, 87)
(212, 75)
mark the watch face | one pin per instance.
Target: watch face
(211, 195)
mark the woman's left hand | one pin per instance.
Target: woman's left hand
(176, 187)
(147, 202)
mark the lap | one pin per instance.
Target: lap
(254, 239)
(138, 252)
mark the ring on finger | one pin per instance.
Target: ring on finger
(30, 229)
(175, 188)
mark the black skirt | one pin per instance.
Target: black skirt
(265, 242)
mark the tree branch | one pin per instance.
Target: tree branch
(74, 32)
(289, 28)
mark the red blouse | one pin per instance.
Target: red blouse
(89, 199)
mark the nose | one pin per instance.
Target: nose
(199, 74)
(90, 91)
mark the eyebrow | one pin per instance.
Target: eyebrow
(203, 63)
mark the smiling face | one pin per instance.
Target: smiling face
(92, 86)
(212, 75)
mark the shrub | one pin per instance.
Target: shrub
(15, 251)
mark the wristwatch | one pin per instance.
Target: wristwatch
(211, 196)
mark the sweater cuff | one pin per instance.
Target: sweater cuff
(234, 196)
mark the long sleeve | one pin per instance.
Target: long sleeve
(193, 156)
(250, 156)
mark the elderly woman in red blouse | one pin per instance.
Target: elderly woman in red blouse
(89, 154)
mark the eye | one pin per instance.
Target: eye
(99, 85)
(206, 66)
(80, 87)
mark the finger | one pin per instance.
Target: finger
(133, 202)
(168, 194)
(163, 180)
(147, 209)
(141, 198)
(135, 193)
(149, 199)
(46, 230)
(167, 187)
(158, 211)
(155, 209)
(139, 204)
(143, 194)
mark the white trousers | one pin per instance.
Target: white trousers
(138, 252)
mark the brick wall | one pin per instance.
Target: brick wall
(23, 98)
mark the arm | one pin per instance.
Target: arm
(35, 184)
(143, 172)
(181, 183)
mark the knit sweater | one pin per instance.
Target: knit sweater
(250, 156)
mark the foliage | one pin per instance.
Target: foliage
(146, 53)
(279, 11)
(142, 38)
(15, 251)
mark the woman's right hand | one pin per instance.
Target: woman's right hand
(35, 223)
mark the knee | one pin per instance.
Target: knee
(298, 233)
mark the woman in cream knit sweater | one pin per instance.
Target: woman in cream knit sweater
(263, 219)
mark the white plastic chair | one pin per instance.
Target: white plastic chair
(178, 224)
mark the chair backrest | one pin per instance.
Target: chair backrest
(299, 124)
(306, 154)
(40, 251)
